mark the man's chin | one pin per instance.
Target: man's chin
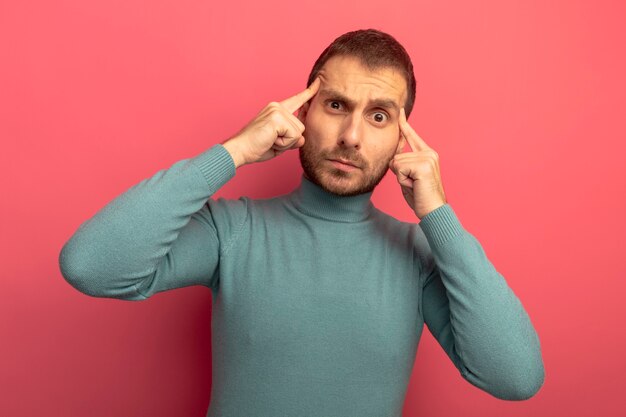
(341, 184)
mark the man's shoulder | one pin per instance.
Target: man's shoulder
(383, 217)
(401, 229)
(241, 207)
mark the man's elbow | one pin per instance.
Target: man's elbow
(76, 270)
(72, 264)
(523, 387)
(507, 382)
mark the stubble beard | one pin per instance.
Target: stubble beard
(336, 181)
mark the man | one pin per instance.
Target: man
(319, 298)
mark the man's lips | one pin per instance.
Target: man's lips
(345, 161)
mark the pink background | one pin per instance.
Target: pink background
(524, 102)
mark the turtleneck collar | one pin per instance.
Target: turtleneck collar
(313, 200)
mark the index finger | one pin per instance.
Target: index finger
(293, 103)
(415, 142)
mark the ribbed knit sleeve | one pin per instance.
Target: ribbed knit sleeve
(157, 235)
(473, 313)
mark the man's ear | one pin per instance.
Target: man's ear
(303, 111)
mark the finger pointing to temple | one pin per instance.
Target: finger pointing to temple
(293, 103)
(415, 142)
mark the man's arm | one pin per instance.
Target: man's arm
(474, 315)
(160, 234)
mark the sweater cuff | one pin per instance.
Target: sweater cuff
(216, 165)
(440, 225)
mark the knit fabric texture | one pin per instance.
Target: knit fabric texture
(319, 300)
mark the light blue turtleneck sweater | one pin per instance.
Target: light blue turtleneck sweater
(319, 301)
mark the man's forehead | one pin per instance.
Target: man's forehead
(347, 77)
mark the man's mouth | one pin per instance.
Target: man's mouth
(344, 164)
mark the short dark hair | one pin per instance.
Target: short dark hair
(375, 49)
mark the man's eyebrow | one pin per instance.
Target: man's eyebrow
(386, 103)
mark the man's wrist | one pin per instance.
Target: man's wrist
(233, 150)
(429, 210)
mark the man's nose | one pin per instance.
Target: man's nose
(352, 131)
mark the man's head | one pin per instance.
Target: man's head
(366, 78)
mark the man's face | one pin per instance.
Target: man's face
(353, 117)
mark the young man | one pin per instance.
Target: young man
(319, 298)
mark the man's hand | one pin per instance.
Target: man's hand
(418, 172)
(274, 130)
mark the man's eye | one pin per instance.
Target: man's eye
(335, 105)
(380, 117)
